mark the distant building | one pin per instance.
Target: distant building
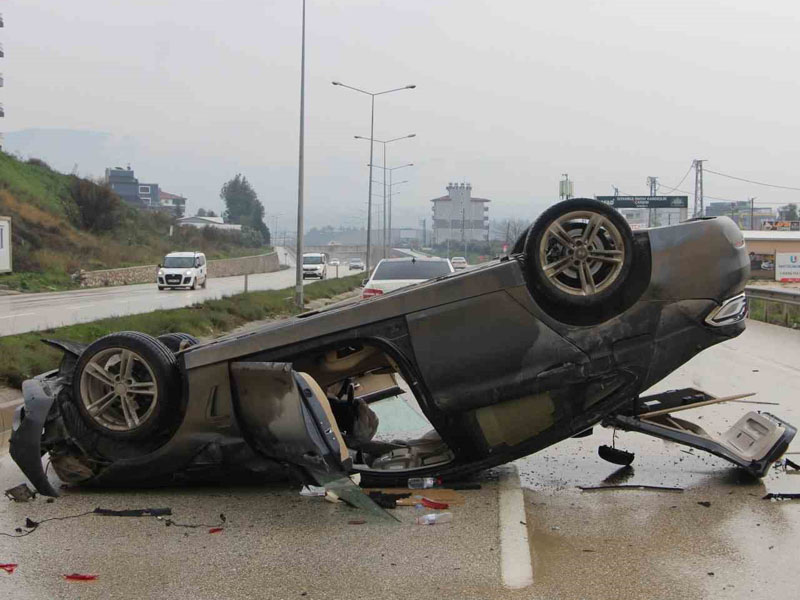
(741, 213)
(173, 202)
(460, 217)
(215, 222)
(127, 187)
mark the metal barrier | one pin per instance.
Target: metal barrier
(784, 297)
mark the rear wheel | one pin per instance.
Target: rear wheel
(161, 288)
(126, 386)
(579, 253)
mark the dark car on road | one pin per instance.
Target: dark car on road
(503, 360)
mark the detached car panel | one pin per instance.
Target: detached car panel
(501, 361)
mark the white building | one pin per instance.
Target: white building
(215, 222)
(460, 217)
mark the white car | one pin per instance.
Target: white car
(395, 273)
(334, 262)
(315, 264)
(182, 269)
(459, 262)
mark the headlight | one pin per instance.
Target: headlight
(161, 272)
(731, 311)
(188, 273)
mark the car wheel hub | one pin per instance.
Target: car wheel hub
(118, 389)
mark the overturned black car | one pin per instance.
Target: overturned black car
(499, 361)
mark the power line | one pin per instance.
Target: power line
(772, 185)
(669, 191)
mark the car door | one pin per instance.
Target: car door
(285, 415)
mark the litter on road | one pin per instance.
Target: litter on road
(649, 488)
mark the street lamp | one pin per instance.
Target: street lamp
(298, 257)
(391, 170)
(384, 142)
(371, 137)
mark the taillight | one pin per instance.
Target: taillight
(369, 292)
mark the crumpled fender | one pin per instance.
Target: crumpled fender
(26, 436)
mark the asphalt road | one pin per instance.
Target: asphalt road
(596, 545)
(20, 313)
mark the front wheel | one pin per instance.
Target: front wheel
(126, 386)
(579, 253)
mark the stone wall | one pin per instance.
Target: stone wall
(228, 267)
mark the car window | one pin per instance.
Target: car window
(312, 260)
(406, 269)
(178, 262)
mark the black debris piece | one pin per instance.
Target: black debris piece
(20, 493)
(791, 464)
(705, 503)
(649, 488)
(781, 496)
(615, 455)
(134, 512)
(30, 523)
(387, 500)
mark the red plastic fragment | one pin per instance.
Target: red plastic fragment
(8, 567)
(427, 502)
(216, 529)
(80, 577)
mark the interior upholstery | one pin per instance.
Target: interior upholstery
(326, 406)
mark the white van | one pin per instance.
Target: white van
(315, 264)
(183, 269)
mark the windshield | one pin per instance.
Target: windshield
(178, 262)
(406, 269)
(355, 261)
(312, 260)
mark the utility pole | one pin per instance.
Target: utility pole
(463, 230)
(752, 212)
(424, 232)
(698, 187)
(651, 212)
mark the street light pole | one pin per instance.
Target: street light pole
(298, 257)
(371, 140)
(385, 142)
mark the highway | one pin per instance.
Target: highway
(20, 313)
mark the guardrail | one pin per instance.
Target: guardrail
(786, 298)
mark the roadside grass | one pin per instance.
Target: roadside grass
(23, 356)
(775, 313)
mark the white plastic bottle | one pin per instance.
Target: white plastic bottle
(419, 483)
(434, 518)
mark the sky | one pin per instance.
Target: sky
(510, 95)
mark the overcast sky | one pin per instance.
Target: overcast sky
(510, 95)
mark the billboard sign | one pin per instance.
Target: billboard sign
(781, 225)
(645, 201)
(5, 244)
(787, 266)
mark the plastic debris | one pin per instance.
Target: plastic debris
(428, 503)
(420, 483)
(8, 567)
(615, 455)
(20, 493)
(781, 496)
(134, 512)
(80, 577)
(705, 503)
(650, 488)
(310, 491)
(434, 518)
(216, 529)
(356, 522)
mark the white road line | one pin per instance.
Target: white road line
(17, 315)
(515, 554)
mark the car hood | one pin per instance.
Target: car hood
(178, 271)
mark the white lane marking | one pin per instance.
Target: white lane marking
(17, 315)
(515, 554)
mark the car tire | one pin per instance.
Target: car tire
(205, 282)
(194, 284)
(141, 406)
(161, 288)
(174, 341)
(578, 253)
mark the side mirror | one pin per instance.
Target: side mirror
(197, 263)
(160, 266)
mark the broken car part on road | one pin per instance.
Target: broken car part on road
(502, 361)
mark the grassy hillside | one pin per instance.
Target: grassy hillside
(61, 223)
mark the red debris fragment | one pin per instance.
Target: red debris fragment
(80, 577)
(8, 567)
(216, 529)
(427, 502)
(356, 522)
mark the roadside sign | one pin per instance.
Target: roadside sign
(787, 267)
(5, 244)
(645, 201)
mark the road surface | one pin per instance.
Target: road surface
(20, 313)
(613, 545)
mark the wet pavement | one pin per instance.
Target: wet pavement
(621, 544)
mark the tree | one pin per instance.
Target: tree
(242, 205)
(791, 212)
(508, 230)
(201, 212)
(211, 213)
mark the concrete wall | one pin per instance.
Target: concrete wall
(228, 267)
